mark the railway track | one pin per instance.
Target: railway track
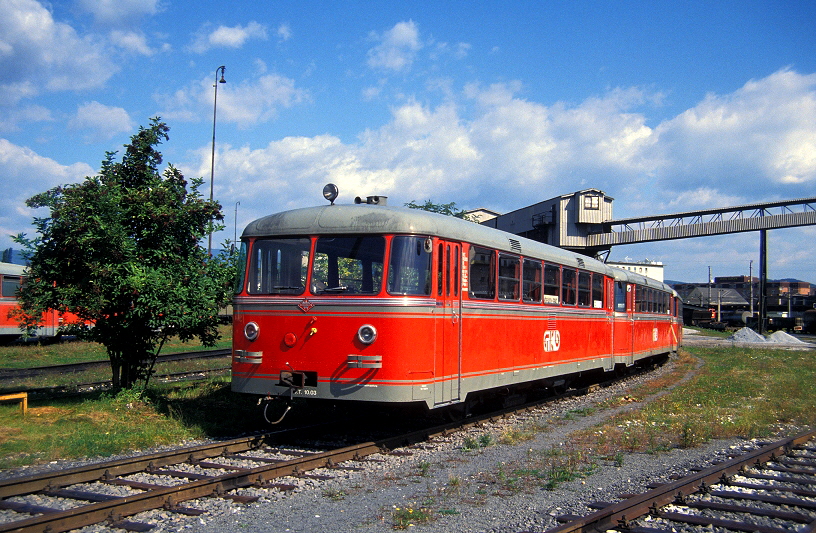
(113, 491)
(769, 490)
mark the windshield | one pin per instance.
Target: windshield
(348, 265)
(278, 266)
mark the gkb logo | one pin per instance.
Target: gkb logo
(552, 340)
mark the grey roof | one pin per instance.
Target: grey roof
(377, 219)
(12, 270)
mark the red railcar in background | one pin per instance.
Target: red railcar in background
(380, 304)
(12, 276)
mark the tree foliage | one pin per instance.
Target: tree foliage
(443, 209)
(120, 251)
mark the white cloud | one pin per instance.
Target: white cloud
(119, 12)
(247, 103)
(397, 47)
(227, 37)
(284, 32)
(45, 54)
(27, 114)
(104, 122)
(493, 148)
(131, 41)
(32, 174)
(760, 139)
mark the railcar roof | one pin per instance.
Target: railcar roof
(12, 269)
(378, 219)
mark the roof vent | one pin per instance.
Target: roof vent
(372, 200)
(515, 246)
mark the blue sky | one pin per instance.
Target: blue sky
(665, 106)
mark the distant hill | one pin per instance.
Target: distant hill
(672, 282)
(13, 256)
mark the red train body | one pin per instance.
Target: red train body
(380, 304)
(11, 277)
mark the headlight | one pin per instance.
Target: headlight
(251, 331)
(367, 334)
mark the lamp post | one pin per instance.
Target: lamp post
(235, 224)
(222, 68)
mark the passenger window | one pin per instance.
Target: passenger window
(409, 269)
(584, 294)
(552, 284)
(569, 286)
(449, 273)
(509, 267)
(440, 269)
(482, 273)
(531, 290)
(457, 259)
(597, 291)
(620, 297)
(11, 284)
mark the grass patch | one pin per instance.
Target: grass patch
(739, 392)
(410, 516)
(103, 424)
(56, 352)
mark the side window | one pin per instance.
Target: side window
(440, 269)
(569, 286)
(457, 256)
(597, 291)
(552, 284)
(620, 297)
(10, 286)
(509, 270)
(584, 294)
(482, 273)
(242, 264)
(409, 269)
(531, 289)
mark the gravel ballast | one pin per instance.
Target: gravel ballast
(460, 487)
(464, 486)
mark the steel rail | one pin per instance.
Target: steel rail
(169, 497)
(620, 514)
(120, 467)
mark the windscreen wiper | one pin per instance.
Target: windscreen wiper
(339, 288)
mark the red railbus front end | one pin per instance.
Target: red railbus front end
(317, 319)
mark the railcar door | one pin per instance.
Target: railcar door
(624, 322)
(609, 308)
(448, 357)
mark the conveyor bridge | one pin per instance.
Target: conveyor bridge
(751, 217)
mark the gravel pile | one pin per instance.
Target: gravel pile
(746, 335)
(781, 337)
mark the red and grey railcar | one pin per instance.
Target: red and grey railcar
(12, 276)
(381, 304)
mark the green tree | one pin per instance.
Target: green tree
(120, 251)
(443, 209)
